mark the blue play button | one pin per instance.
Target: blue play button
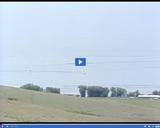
(80, 61)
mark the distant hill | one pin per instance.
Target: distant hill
(31, 106)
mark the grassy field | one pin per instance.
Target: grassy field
(18, 105)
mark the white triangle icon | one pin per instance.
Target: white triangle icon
(80, 61)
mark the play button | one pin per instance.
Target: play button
(80, 61)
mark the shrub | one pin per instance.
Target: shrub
(53, 90)
(10, 98)
(32, 87)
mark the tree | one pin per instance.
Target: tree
(131, 94)
(82, 90)
(97, 91)
(105, 92)
(113, 92)
(137, 93)
(118, 92)
(155, 92)
(121, 92)
(90, 91)
(32, 87)
(52, 90)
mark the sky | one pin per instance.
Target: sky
(39, 42)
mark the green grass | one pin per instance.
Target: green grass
(53, 107)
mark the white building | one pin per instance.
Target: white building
(149, 96)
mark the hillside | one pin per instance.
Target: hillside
(39, 107)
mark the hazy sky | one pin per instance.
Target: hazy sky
(49, 36)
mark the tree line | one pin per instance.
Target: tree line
(38, 88)
(98, 91)
(91, 91)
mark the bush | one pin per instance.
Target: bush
(12, 99)
(32, 87)
(53, 90)
(82, 112)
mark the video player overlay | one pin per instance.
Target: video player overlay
(81, 125)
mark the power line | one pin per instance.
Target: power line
(131, 68)
(36, 71)
(31, 71)
(73, 56)
(122, 62)
(71, 63)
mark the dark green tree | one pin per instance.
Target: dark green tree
(105, 92)
(82, 90)
(137, 93)
(52, 90)
(118, 92)
(155, 92)
(121, 92)
(32, 87)
(113, 92)
(97, 91)
(131, 94)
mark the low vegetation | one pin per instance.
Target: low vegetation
(82, 112)
(12, 99)
(52, 90)
(32, 87)
(38, 88)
